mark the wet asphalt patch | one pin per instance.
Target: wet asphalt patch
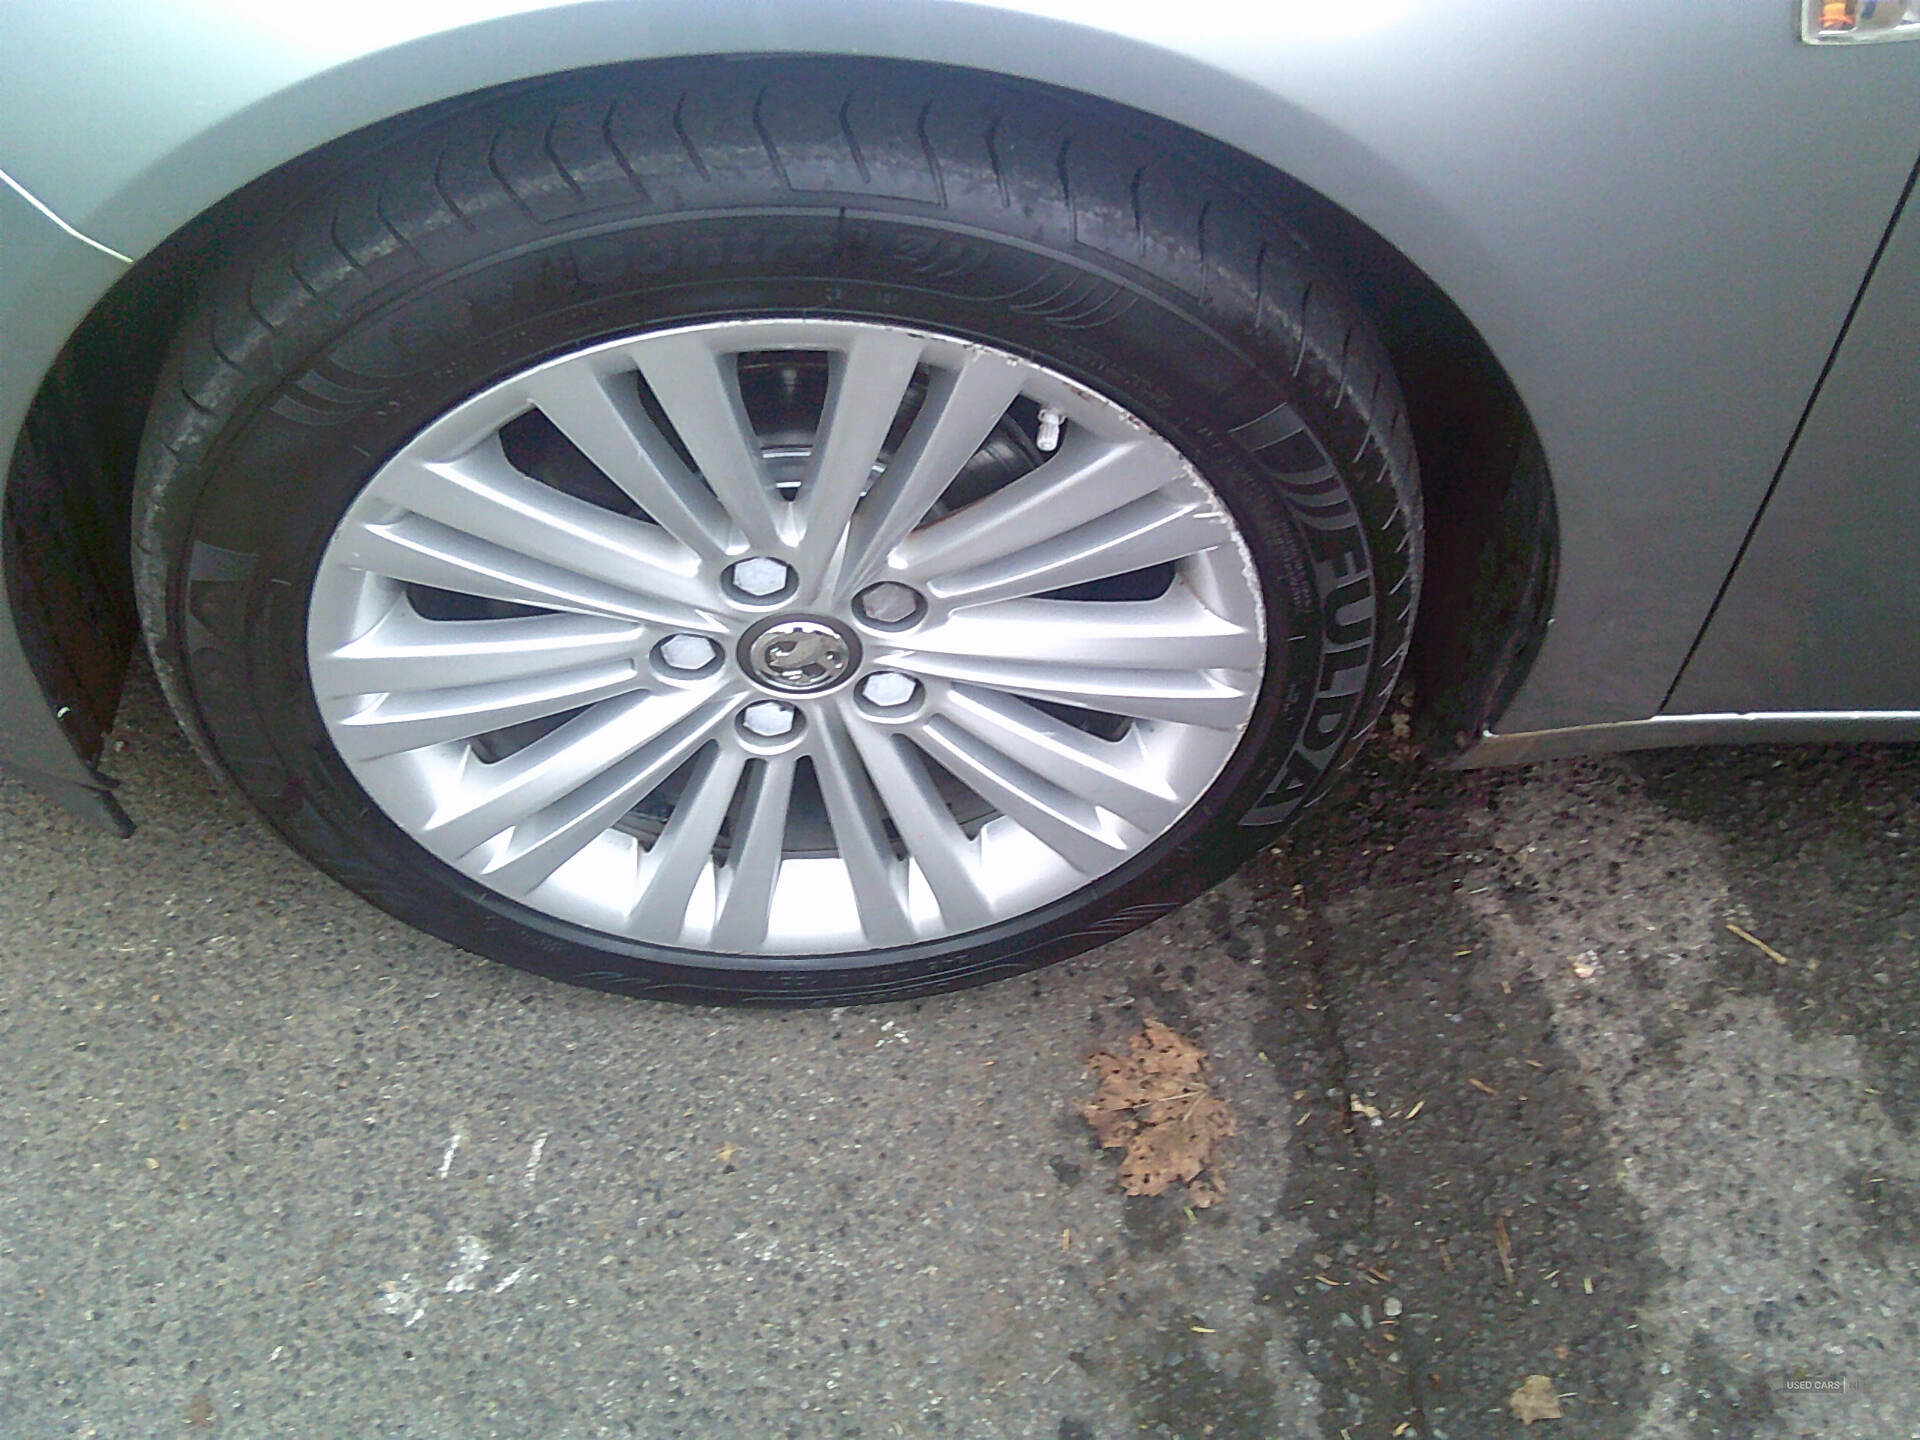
(1829, 840)
(1495, 996)
(1467, 1229)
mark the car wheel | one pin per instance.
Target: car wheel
(782, 532)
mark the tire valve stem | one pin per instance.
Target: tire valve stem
(1047, 438)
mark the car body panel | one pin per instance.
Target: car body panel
(49, 278)
(1623, 202)
(1824, 605)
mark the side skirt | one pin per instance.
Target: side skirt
(1762, 728)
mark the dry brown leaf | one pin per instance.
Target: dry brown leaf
(1535, 1400)
(1205, 1191)
(1396, 730)
(1154, 1103)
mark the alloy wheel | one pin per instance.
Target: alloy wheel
(784, 638)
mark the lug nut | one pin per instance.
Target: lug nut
(889, 689)
(768, 718)
(760, 576)
(887, 603)
(688, 652)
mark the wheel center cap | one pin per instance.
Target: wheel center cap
(798, 654)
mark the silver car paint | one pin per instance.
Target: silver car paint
(1656, 218)
(1824, 610)
(1812, 638)
(48, 278)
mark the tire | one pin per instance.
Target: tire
(1126, 271)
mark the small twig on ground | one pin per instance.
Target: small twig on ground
(1760, 945)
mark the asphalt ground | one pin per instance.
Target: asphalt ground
(275, 1165)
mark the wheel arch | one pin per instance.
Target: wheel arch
(1492, 540)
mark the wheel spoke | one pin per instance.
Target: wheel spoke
(1071, 827)
(544, 841)
(1110, 774)
(865, 387)
(419, 552)
(1186, 697)
(700, 391)
(960, 411)
(1086, 478)
(933, 838)
(1150, 531)
(1173, 633)
(678, 859)
(877, 878)
(590, 770)
(746, 883)
(408, 653)
(481, 495)
(612, 429)
(411, 721)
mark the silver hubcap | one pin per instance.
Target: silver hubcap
(785, 638)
